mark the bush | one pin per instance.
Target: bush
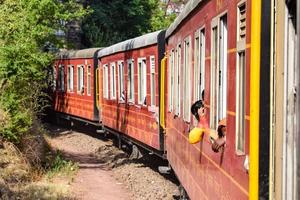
(25, 36)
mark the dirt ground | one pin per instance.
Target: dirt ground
(106, 172)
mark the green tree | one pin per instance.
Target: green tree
(160, 19)
(27, 28)
(118, 20)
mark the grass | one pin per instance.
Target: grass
(19, 180)
(61, 167)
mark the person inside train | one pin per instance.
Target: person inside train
(217, 140)
(218, 144)
(198, 110)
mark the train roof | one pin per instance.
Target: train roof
(134, 43)
(76, 54)
(189, 7)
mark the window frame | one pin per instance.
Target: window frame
(89, 80)
(70, 77)
(240, 100)
(186, 85)
(199, 64)
(219, 66)
(61, 77)
(105, 81)
(54, 76)
(80, 79)
(113, 87)
(171, 88)
(142, 81)
(241, 48)
(130, 80)
(152, 81)
(121, 77)
(178, 53)
(222, 68)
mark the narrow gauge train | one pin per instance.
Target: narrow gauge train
(241, 58)
(129, 78)
(75, 86)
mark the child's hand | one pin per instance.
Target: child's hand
(218, 144)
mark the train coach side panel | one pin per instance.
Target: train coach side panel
(140, 122)
(76, 102)
(197, 166)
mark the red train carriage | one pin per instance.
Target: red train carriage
(208, 49)
(129, 79)
(75, 93)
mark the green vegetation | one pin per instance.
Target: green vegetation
(20, 180)
(27, 33)
(62, 167)
(115, 21)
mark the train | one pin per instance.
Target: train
(240, 59)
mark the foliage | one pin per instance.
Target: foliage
(25, 34)
(118, 20)
(59, 166)
(160, 20)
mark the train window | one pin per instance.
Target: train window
(213, 84)
(222, 88)
(186, 79)
(121, 91)
(171, 80)
(199, 64)
(80, 79)
(112, 81)
(218, 97)
(177, 80)
(240, 99)
(130, 80)
(152, 79)
(70, 78)
(88, 81)
(105, 81)
(61, 77)
(142, 81)
(241, 79)
(54, 77)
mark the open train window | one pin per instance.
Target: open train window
(121, 91)
(61, 78)
(177, 92)
(88, 87)
(171, 80)
(187, 79)
(241, 80)
(70, 78)
(199, 67)
(214, 64)
(130, 80)
(105, 81)
(152, 80)
(142, 81)
(54, 78)
(80, 79)
(218, 92)
(222, 88)
(240, 101)
(112, 81)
